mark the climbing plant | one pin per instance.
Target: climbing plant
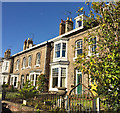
(103, 64)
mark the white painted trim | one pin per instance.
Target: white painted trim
(4, 65)
(29, 67)
(2, 77)
(34, 73)
(23, 68)
(58, 66)
(14, 80)
(37, 65)
(60, 58)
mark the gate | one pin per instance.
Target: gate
(78, 103)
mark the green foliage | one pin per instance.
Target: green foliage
(103, 65)
(41, 83)
(28, 91)
(58, 110)
(12, 95)
(5, 86)
(11, 88)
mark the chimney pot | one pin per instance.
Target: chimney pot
(70, 19)
(67, 18)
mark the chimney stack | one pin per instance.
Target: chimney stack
(7, 53)
(25, 44)
(28, 44)
(68, 25)
(62, 27)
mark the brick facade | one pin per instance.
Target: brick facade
(64, 61)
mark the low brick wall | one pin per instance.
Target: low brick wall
(18, 107)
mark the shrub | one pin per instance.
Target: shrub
(41, 83)
(28, 91)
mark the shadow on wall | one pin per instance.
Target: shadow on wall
(5, 108)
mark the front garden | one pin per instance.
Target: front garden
(32, 97)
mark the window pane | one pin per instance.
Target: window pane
(6, 66)
(79, 47)
(38, 58)
(29, 61)
(24, 62)
(63, 77)
(64, 46)
(57, 50)
(63, 49)
(55, 72)
(63, 72)
(63, 53)
(79, 23)
(57, 54)
(79, 51)
(17, 65)
(55, 82)
(15, 81)
(12, 81)
(94, 44)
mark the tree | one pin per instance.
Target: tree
(41, 83)
(28, 91)
(103, 65)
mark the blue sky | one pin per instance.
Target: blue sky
(37, 20)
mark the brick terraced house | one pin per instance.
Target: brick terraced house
(55, 58)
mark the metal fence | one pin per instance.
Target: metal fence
(46, 101)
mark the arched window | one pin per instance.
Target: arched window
(38, 58)
(29, 60)
(78, 46)
(17, 64)
(24, 62)
(92, 47)
(22, 80)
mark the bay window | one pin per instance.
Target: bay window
(58, 77)
(60, 50)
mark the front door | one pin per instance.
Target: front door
(78, 80)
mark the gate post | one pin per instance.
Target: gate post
(94, 104)
(66, 103)
(98, 104)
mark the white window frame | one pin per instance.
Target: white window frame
(90, 52)
(4, 66)
(76, 48)
(4, 78)
(29, 62)
(14, 80)
(37, 64)
(17, 64)
(23, 64)
(34, 73)
(79, 18)
(59, 76)
(61, 48)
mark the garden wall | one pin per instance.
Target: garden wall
(18, 107)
